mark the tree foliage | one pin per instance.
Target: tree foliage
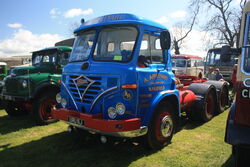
(222, 19)
(182, 29)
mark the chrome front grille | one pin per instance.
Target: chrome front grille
(84, 88)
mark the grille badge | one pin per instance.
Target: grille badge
(81, 80)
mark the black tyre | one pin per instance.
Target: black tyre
(162, 127)
(204, 107)
(241, 156)
(223, 100)
(14, 109)
(41, 108)
(222, 94)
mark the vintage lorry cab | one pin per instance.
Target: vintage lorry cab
(33, 88)
(224, 62)
(238, 123)
(188, 65)
(119, 82)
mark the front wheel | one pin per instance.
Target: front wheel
(162, 126)
(13, 109)
(41, 108)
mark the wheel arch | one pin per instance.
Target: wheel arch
(45, 87)
(172, 97)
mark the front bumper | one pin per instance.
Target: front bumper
(95, 123)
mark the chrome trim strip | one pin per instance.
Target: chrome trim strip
(70, 95)
(167, 91)
(97, 98)
(133, 133)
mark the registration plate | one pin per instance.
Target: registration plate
(75, 120)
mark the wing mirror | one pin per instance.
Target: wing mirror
(165, 40)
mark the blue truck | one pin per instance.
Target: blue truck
(119, 82)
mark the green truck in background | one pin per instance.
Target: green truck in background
(33, 88)
(3, 70)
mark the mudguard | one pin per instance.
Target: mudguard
(174, 94)
(39, 88)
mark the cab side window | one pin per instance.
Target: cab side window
(150, 51)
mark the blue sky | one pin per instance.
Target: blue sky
(27, 25)
(35, 15)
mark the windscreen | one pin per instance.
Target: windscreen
(179, 62)
(215, 59)
(82, 46)
(44, 57)
(115, 44)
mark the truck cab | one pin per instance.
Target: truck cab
(33, 88)
(238, 123)
(119, 82)
(223, 62)
(188, 65)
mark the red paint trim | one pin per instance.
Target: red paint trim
(97, 123)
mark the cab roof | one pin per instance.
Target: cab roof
(185, 56)
(118, 19)
(61, 48)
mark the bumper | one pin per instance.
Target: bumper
(95, 123)
(14, 98)
(236, 134)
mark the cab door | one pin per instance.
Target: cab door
(153, 74)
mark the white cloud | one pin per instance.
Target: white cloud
(54, 12)
(22, 42)
(178, 14)
(77, 12)
(15, 25)
(162, 20)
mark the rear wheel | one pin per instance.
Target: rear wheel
(41, 108)
(204, 108)
(162, 126)
(223, 100)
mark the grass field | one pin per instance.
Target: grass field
(24, 144)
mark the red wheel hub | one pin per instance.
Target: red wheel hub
(210, 105)
(163, 126)
(46, 108)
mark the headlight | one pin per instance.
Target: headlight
(63, 102)
(58, 98)
(120, 108)
(25, 84)
(112, 112)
